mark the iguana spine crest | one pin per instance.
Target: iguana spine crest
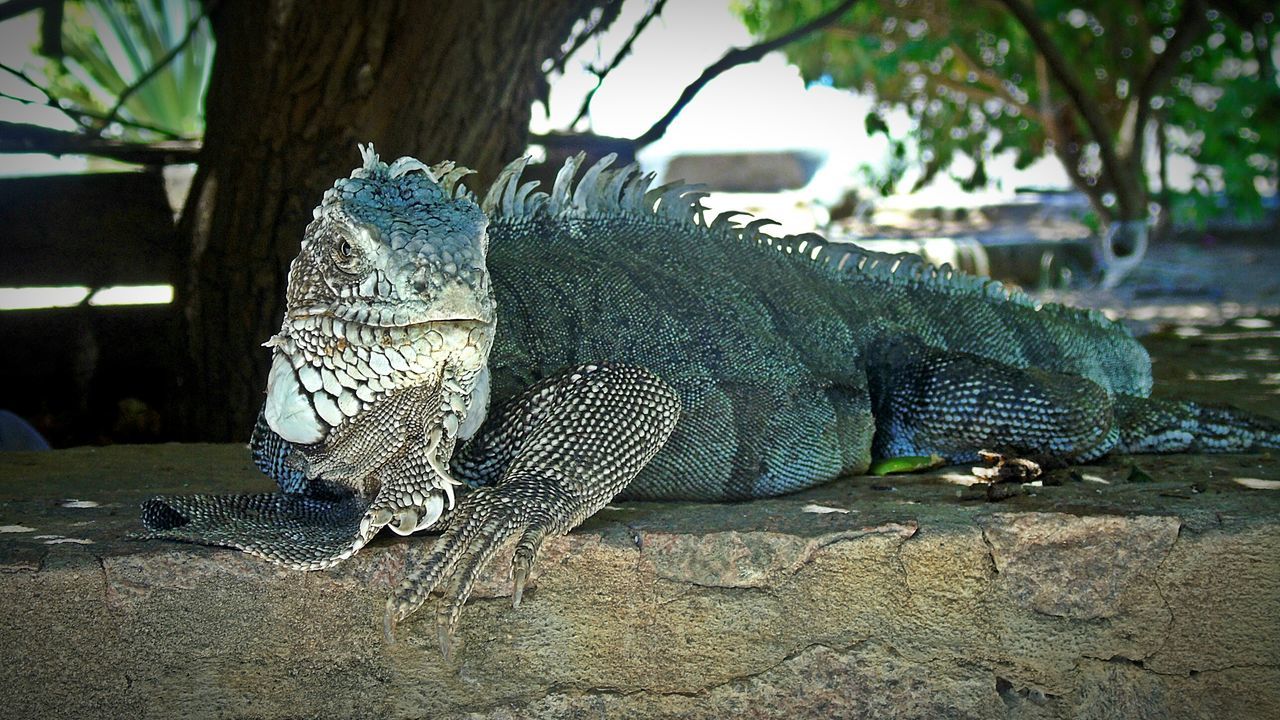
(603, 191)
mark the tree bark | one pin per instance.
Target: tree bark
(293, 88)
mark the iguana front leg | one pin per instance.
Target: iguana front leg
(555, 456)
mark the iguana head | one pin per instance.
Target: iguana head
(389, 291)
(389, 247)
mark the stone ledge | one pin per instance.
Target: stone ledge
(1084, 600)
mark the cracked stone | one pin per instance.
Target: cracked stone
(743, 559)
(1075, 567)
(1084, 600)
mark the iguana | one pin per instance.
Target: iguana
(548, 352)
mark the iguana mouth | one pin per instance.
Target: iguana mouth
(328, 332)
(368, 317)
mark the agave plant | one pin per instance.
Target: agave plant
(111, 51)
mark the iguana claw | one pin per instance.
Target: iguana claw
(444, 633)
(374, 520)
(389, 622)
(405, 521)
(519, 573)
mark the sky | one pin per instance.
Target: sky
(17, 37)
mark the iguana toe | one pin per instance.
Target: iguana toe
(522, 561)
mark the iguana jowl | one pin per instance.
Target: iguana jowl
(605, 339)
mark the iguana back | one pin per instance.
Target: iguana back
(764, 338)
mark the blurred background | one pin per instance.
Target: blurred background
(159, 158)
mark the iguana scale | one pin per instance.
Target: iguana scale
(547, 352)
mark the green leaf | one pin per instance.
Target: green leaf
(906, 464)
(876, 124)
(111, 45)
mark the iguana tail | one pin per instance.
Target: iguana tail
(1172, 426)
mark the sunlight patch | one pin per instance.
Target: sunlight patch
(32, 298)
(823, 509)
(1257, 483)
(133, 295)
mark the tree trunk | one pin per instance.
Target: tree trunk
(294, 87)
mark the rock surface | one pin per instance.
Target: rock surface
(1098, 598)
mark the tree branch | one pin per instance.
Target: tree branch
(599, 144)
(975, 91)
(1061, 131)
(627, 147)
(1246, 13)
(51, 29)
(608, 13)
(1069, 153)
(14, 8)
(734, 58)
(623, 52)
(1190, 25)
(76, 116)
(25, 138)
(1099, 130)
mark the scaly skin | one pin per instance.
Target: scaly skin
(635, 350)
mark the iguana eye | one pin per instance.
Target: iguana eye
(344, 257)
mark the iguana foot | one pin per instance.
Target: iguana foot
(486, 520)
(293, 530)
(1001, 468)
(404, 508)
(564, 448)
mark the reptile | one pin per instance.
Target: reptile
(498, 369)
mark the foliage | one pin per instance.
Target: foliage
(110, 45)
(1222, 110)
(973, 81)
